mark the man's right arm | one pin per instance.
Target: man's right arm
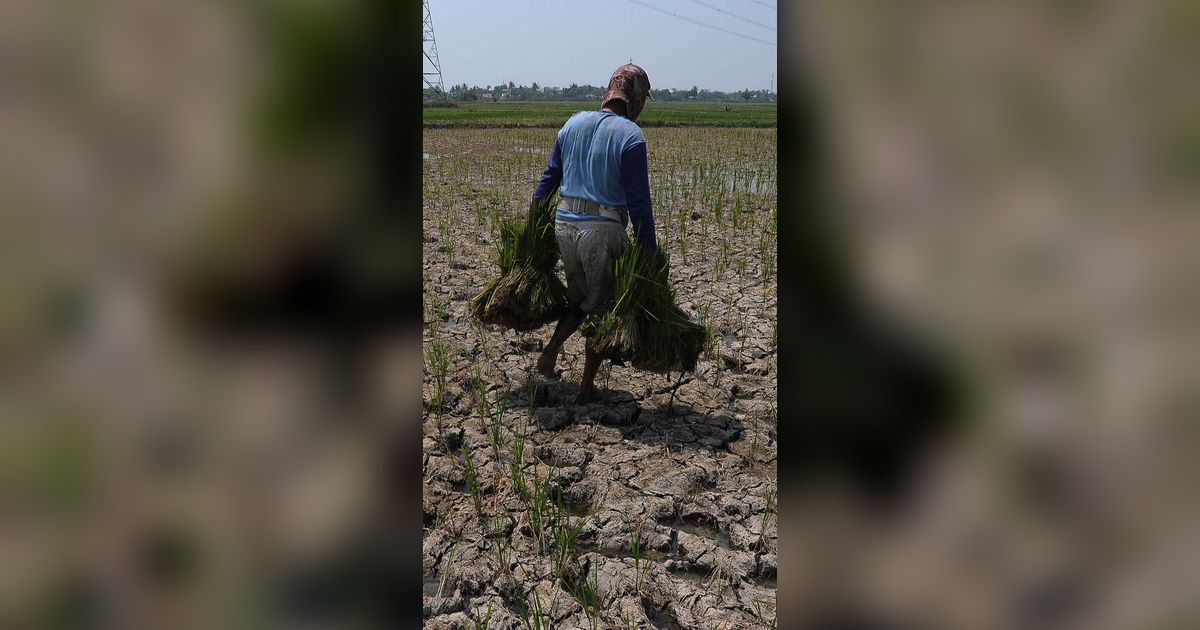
(553, 175)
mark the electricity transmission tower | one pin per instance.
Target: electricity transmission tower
(432, 79)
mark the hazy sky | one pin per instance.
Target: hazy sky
(559, 42)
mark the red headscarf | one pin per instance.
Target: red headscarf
(630, 85)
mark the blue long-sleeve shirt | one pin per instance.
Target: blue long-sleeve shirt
(606, 163)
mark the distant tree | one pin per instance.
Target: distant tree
(746, 94)
(510, 85)
(694, 92)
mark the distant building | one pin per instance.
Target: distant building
(487, 96)
(506, 94)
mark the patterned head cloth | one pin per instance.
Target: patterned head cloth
(629, 84)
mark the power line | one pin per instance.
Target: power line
(733, 15)
(763, 4)
(715, 28)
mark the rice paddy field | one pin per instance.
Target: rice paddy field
(554, 113)
(654, 507)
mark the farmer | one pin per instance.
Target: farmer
(598, 165)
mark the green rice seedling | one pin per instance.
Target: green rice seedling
(766, 254)
(479, 387)
(531, 389)
(500, 540)
(534, 618)
(770, 508)
(516, 464)
(437, 309)
(758, 612)
(718, 578)
(480, 213)
(439, 367)
(681, 241)
(495, 219)
(497, 422)
(450, 557)
(483, 623)
(449, 250)
(718, 214)
(726, 256)
(744, 330)
(565, 533)
(643, 325)
(754, 442)
(641, 563)
(528, 293)
(587, 593)
(472, 477)
(506, 247)
(491, 417)
(540, 508)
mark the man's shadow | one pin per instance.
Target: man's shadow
(676, 426)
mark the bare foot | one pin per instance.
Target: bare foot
(545, 365)
(587, 395)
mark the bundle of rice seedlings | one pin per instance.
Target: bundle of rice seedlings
(527, 294)
(643, 326)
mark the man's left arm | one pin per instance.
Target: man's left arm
(635, 175)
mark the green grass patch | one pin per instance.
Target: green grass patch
(553, 114)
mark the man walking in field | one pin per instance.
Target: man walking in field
(599, 167)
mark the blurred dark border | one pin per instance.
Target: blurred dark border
(860, 398)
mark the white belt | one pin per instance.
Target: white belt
(585, 206)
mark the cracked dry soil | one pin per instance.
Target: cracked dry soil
(686, 463)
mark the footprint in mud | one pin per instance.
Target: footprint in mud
(702, 527)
